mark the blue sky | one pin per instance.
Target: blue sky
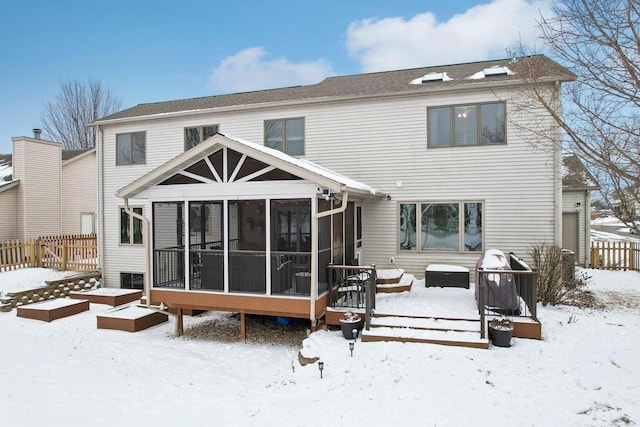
(149, 51)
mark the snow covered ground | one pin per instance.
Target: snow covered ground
(584, 372)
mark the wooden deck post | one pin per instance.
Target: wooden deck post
(243, 327)
(179, 323)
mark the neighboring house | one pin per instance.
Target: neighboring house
(626, 206)
(577, 185)
(401, 169)
(51, 192)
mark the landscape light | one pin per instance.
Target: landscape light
(351, 345)
(321, 367)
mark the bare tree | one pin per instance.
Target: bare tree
(78, 103)
(599, 42)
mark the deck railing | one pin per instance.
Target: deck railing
(615, 255)
(353, 286)
(507, 292)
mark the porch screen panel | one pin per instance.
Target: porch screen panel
(324, 245)
(206, 246)
(247, 250)
(338, 236)
(168, 245)
(349, 234)
(291, 247)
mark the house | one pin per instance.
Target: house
(239, 202)
(577, 185)
(45, 190)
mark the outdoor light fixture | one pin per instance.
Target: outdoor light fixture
(351, 345)
(321, 367)
(354, 332)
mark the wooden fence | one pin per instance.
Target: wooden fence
(615, 255)
(71, 252)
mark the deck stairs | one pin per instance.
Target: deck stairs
(422, 329)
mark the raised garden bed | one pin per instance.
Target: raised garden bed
(53, 309)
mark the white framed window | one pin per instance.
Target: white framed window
(87, 223)
(441, 226)
(130, 227)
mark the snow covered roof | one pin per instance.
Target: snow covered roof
(6, 168)
(300, 167)
(575, 176)
(387, 83)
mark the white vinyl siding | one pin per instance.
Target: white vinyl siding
(8, 199)
(37, 166)
(79, 191)
(383, 143)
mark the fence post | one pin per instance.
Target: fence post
(39, 261)
(63, 254)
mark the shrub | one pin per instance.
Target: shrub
(554, 287)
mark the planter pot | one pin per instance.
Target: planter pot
(348, 327)
(500, 337)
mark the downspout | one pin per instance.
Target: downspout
(100, 197)
(558, 178)
(145, 240)
(314, 255)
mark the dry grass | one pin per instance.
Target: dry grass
(225, 327)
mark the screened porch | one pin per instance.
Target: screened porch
(252, 246)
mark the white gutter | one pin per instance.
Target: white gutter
(314, 255)
(146, 238)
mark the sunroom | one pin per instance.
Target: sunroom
(237, 226)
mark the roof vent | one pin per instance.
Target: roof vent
(431, 77)
(497, 71)
(37, 133)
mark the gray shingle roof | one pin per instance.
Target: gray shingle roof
(576, 176)
(388, 82)
(70, 154)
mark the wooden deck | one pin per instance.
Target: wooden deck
(130, 319)
(109, 296)
(445, 316)
(53, 309)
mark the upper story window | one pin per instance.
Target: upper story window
(461, 125)
(130, 148)
(194, 136)
(286, 135)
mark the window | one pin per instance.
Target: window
(130, 228)
(130, 148)
(460, 125)
(131, 280)
(87, 223)
(194, 136)
(437, 226)
(285, 135)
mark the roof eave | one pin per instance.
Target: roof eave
(479, 84)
